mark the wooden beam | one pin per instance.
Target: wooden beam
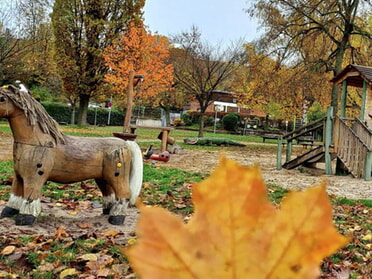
(368, 167)
(364, 98)
(328, 141)
(279, 153)
(343, 98)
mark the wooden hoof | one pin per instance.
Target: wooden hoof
(9, 212)
(116, 220)
(25, 220)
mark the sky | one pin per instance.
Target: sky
(219, 21)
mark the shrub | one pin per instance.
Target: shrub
(62, 113)
(187, 120)
(231, 121)
(208, 121)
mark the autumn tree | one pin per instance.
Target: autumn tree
(327, 26)
(36, 29)
(12, 48)
(271, 85)
(200, 68)
(146, 54)
(83, 29)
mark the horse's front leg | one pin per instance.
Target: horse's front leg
(24, 201)
(15, 200)
(31, 205)
(33, 166)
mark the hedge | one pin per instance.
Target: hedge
(99, 116)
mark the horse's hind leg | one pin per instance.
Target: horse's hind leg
(15, 200)
(116, 173)
(108, 195)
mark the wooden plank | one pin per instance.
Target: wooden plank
(311, 154)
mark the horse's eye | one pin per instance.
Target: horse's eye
(2, 99)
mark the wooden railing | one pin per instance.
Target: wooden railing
(363, 132)
(305, 134)
(351, 149)
(309, 131)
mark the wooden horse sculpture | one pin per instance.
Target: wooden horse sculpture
(42, 153)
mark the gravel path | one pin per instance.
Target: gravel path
(300, 178)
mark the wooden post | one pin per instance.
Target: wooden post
(343, 98)
(279, 153)
(289, 151)
(368, 167)
(128, 112)
(327, 141)
(364, 98)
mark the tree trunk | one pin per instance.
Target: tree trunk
(128, 111)
(83, 109)
(201, 125)
(73, 111)
(337, 69)
(167, 115)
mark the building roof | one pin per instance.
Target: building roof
(222, 91)
(355, 75)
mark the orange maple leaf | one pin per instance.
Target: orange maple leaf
(236, 232)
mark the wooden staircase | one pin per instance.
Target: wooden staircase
(352, 144)
(348, 140)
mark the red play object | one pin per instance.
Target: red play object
(164, 156)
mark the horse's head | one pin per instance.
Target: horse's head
(15, 102)
(7, 106)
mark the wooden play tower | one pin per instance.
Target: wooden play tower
(335, 137)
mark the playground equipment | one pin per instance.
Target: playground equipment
(347, 140)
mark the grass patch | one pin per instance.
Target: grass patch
(169, 187)
(276, 193)
(346, 201)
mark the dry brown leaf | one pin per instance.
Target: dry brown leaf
(85, 225)
(60, 233)
(8, 250)
(236, 232)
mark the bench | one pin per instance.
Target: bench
(163, 136)
(265, 137)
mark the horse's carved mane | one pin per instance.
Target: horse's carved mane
(34, 112)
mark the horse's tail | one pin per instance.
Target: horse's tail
(136, 172)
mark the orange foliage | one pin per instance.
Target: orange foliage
(236, 232)
(144, 53)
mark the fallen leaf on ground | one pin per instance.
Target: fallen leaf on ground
(67, 272)
(8, 250)
(60, 233)
(236, 232)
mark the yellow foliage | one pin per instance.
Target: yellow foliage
(236, 232)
